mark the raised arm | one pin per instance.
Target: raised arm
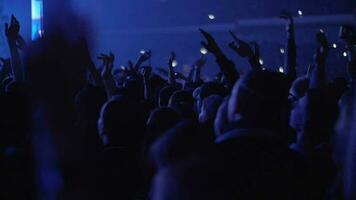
(226, 66)
(88, 62)
(290, 58)
(108, 80)
(171, 74)
(318, 76)
(348, 35)
(250, 51)
(143, 58)
(15, 42)
(197, 69)
(315, 107)
(146, 74)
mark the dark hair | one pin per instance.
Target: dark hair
(211, 88)
(261, 97)
(165, 94)
(122, 120)
(181, 97)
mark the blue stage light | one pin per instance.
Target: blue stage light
(37, 18)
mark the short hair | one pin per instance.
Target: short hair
(260, 97)
(165, 94)
(122, 120)
(89, 102)
(181, 97)
(211, 88)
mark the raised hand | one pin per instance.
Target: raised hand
(12, 31)
(211, 45)
(290, 21)
(318, 75)
(171, 74)
(200, 62)
(171, 59)
(290, 56)
(323, 48)
(145, 56)
(241, 47)
(146, 72)
(108, 64)
(256, 49)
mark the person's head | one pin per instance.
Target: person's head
(120, 122)
(89, 102)
(181, 97)
(180, 142)
(260, 100)
(206, 90)
(209, 109)
(165, 94)
(161, 119)
(182, 101)
(134, 88)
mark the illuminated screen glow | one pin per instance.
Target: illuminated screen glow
(37, 18)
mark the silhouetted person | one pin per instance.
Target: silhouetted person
(117, 168)
(251, 159)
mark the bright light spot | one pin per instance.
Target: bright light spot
(36, 19)
(142, 52)
(321, 30)
(174, 63)
(281, 69)
(263, 68)
(211, 16)
(282, 50)
(123, 67)
(345, 54)
(334, 45)
(41, 33)
(203, 50)
(176, 73)
(261, 61)
(300, 13)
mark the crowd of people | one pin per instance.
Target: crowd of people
(72, 130)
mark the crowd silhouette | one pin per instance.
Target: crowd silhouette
(72, 130)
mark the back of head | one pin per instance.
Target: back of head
(181, 97)
(260, 100)
(165, 94)
(211, 88)
(178, 143)
(89, 102)
(161, 119)
(121, 121)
